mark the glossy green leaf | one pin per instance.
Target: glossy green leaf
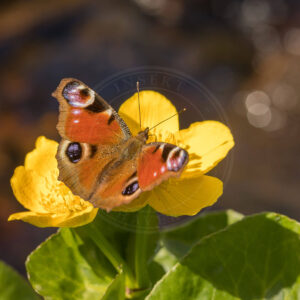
(119, 229)
(255, 258)
(116, 290)
(14, 286)
(116, 227)
(181, 239)
(166, 259)
(128, 239)
(61, 268)
(100, 264)
(156, 271)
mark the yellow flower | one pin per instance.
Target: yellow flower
(51, 203)
(207, 143)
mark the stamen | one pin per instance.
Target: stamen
(55, 197)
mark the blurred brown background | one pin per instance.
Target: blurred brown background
(247, 53)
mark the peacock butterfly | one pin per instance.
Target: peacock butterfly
(99, 159)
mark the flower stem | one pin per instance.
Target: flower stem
(145, 243)
(112, 255)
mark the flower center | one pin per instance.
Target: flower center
(159, 135)
(57, 198)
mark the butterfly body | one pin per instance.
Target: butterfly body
(99, 159)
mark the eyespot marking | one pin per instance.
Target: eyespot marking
(177, 159)
(74, 152)
(93, 150)
(131, 188)
(132, 176)
(78, 95)
(97, 105)
(167, 149)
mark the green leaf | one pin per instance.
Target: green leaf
(117, 227)
(111, 232)
(14, 286)
(116, 290)
(156, 271)
(60, 269)
(129, 240)
(255, 258)
(101, 266)
(166, 259)
(178, 241)
(181, 239)
(180, 283)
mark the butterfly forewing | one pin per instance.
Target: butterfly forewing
(86, 117)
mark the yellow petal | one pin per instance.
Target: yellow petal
(52, 220)
(42, 158)
(26, 186)
(135, 205)
(154, 108)
(36, 185)
(207, 142)
(186, 196)
(29, 182)
(40, 220)
(79, 218)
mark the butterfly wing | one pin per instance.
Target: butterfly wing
(91, 132)
(80, 165)
(141, 169)
(85, 117)
(158, 162)
(118, 184)
(105, 176)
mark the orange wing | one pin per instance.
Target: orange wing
(86, 117)
(158, 162)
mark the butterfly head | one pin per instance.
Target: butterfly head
(143, 135)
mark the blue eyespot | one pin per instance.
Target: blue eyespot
(131, 189)
(74, 152)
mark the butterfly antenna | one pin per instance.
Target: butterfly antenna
(138, 91)
(181, 111)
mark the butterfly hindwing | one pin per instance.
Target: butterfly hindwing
(158, 162)
(81, 164)
(86, 117)
(105, 176)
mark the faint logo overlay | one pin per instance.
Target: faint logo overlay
(184, 92)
